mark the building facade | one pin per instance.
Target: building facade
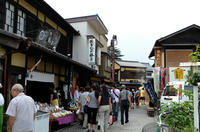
(87, 47)
(130, 73)
(36, 48)
(106, 60)
(172, 49)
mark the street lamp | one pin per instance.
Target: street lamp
(113, 42)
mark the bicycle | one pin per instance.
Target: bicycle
(156, 126)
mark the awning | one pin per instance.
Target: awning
(10, 39)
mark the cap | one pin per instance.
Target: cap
(123, 86)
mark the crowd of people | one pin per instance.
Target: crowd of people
(101, 104)
(98, 105)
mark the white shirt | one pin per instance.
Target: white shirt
(76, 95)
(22, 107)
(83, 99)
(117, 92)
(1, 100)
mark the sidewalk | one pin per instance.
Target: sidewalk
(137, 119)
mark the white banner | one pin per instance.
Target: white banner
(40, 77)
(178, 73)
(92, 51)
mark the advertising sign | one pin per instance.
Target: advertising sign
(92, 51)
(178, 73)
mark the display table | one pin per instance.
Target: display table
(65, 120)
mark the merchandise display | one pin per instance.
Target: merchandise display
(55, 112)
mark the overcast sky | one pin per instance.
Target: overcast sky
(137, 23)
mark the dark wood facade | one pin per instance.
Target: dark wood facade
(18, 36)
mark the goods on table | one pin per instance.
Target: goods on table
(55, 112)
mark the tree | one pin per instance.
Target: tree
(118, 54)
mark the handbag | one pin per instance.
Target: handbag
(85, 108)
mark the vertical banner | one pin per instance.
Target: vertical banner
(156, 72)
(162, 80)
(92, 51)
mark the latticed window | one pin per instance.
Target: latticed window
(21, 23)
(9, 24)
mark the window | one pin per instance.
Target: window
(21, 23)
(9, 17)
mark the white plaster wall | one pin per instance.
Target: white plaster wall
(80, 45)
(91, 31)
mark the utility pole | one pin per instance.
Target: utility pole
(114, 39)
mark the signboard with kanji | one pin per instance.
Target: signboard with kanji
(178, 73)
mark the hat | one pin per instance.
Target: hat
(123, 86)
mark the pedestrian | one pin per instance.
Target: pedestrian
(21, 111)
(115, 94)
(76, 94)
(130, 96)
(83, 103)
(133, 98)
(137, 96)
(105, 107)
(54, 96)
(142, 96)
(92, 108)
(125, 102)
(1, 109)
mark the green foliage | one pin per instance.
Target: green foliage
(194, 78)
(180, 115)
(196, 55)
(118, 54)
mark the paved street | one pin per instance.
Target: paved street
(138, 118)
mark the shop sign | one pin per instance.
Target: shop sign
(178, 73)
(92, 51)
(40, 77)
(48, 38)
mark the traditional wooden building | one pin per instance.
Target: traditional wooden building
(130, 73)
(172, 49)
(106, 59)
(36, 49)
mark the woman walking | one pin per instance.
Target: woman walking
(92, 108)
(104, 101)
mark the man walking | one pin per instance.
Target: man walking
(115, 93)
(21, 111)
(125, 102)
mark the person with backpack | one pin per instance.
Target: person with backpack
(125, 102)
(115, 94)
(137, 97)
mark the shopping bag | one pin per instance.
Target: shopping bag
(110, 120)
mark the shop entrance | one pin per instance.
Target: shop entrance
(39, 91)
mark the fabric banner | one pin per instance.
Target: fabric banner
(156, 72)
(162, 79)
(151, 93)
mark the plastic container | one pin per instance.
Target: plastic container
(41, 123)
